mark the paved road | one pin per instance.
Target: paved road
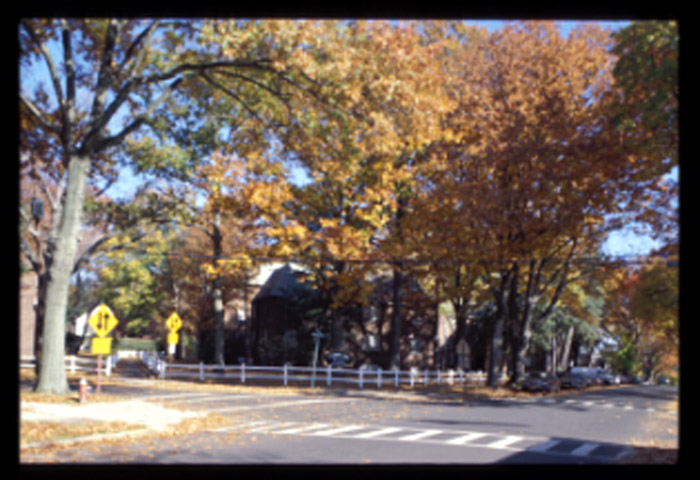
(577, 428)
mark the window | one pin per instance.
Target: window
(415, 344)
(370, 343)
(372, 313)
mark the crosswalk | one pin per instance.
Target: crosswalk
(448, 438)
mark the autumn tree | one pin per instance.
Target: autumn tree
(646, 72)
(533, 166)
(127, 69)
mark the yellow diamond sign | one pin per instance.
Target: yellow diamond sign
(173, 338)
(101, 346)
(173, 323)
(102, 320)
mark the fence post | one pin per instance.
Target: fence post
(108, 365)
(411, 373)
(72, 364)
(379, 377)
(425, 378)
(285, 374)
(242, 372)
(201, 370)
(163, 367)
(396, 377)
(360, 370)
(461, 376)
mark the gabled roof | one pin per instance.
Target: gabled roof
(282, 283)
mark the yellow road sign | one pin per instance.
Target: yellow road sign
(102, 320)
(173, 338)
(102, 345)
(173, 323)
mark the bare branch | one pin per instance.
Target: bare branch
(138, 120)
(53, 72)
(39, 115)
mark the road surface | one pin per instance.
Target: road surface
(590, 427)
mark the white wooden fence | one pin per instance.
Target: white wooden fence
(74, 363)
(324, 375)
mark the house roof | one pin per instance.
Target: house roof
(282, 283)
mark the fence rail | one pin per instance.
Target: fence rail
(74, 363)
(361, 377)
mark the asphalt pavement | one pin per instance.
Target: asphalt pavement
(357, 428)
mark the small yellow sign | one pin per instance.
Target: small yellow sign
(102, 320)
(173, 323)
(102, 346)
(173, 338)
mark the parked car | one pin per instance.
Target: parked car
(541, 381)
(573, 380)
(338, 359)
(588, 374)
(607, 378)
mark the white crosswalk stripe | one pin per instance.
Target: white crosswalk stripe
(453, 438)
(377, 433)
(461, 440)
(505, 442)
(420, 435)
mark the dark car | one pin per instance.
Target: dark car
(338, 359)
(541, 381)
(573, 380)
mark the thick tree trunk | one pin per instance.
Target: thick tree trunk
(218, 295)
(497, 331)
(566, 350)
(52, 376)
(395, 349)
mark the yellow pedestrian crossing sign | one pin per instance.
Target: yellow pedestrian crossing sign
(102, 320)
(173, 338)
(173, 323)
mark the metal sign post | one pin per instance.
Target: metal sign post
(317, 339)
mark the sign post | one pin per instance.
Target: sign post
(174, 323)
(103, 321)
(317, 339)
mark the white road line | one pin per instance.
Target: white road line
(335, 431)
(238, 426)
(504, 443)
(271, 426)
(543, 447)
(420, 435)
(274, 405)
(174, 395)
(302, 429)
(465, 438)
(584, 449)
(628, 407)
(377, 433)
(219, 397)
(587, 404)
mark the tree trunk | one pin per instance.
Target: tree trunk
(566, 350)
(52, 375)
(497, 331)
(218, 295)
(395, 350)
